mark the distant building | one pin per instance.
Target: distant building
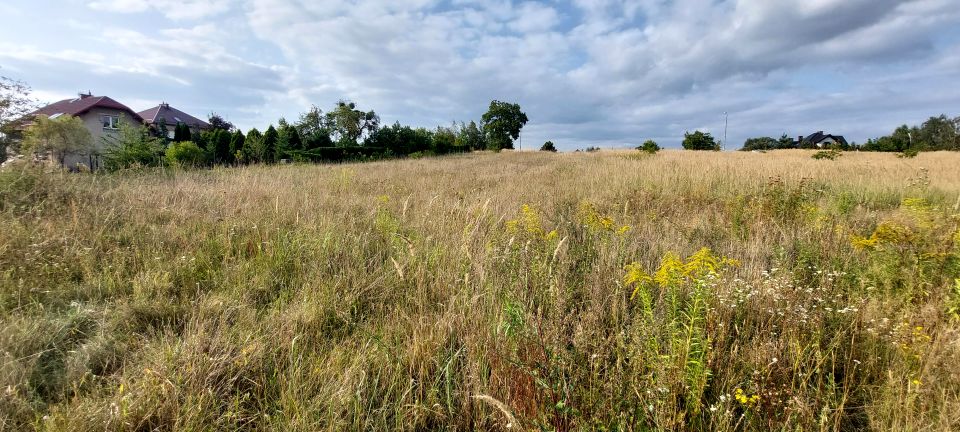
(820, 140)
(171, 117)
(100, 114)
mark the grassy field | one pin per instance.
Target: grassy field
(520, 291)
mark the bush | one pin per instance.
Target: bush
(831, 154)
(649, 146)
(699, 141)
(548, 147)
(909, 153)
(186, 154)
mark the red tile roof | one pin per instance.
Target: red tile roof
(171, 116)
(82, 104)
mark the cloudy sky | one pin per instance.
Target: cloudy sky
(587, 72)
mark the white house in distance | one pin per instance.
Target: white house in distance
(103, 115)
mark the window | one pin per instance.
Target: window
(111, 122)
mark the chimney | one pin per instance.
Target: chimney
(164, 105)
(85, 95)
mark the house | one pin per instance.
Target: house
(821, 140)
(100, 114)
(170, 117)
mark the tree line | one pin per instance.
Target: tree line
(936, 133)
(343, 133)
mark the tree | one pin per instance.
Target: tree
(219, 141)
(253, 146)
(699, 141)
(762, 143)
(649, 146)
(236, 145)
(444, 140)
(218, 122)
(548, 147)
(269, 148)
(288, 140)
(60, 137)
(471, 137)
(938, 133)
(502, 123)
(314, 129)
(15, 103)
(349, 125)
(181, 133)
(134, 146)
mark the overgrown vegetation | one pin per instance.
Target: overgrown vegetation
(687, 291)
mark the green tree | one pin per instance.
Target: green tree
(15, 103)
(269, 148)
(699, 141)
(181, 133)
(349, 125)
(60, 137)
(444, 140)
(218, 122)
(219, 142)
(314, 129)
(548, 147)
(471, 137)
(649, 146)
(762, 143)
(236, 146)
(187, 154)
(133, 147)
(938, 133)
(502, 123)
(253, 146)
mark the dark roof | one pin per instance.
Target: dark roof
(819, 136)
(82, 104)
(171, 116)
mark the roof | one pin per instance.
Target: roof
(80, 105)
(171, 116)
(819, 137)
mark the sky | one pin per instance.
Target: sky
(604, 73)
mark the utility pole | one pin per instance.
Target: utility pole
(725, 122)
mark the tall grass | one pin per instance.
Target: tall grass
(600, 291)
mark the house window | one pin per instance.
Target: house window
(111, 122)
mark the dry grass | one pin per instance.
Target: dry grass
(422, 294)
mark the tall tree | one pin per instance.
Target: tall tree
(349, 124)
(219, 143)
(15, 102)
(699, 141)
(314, 129)
(236, 146)
(253, 146)
(58, 138)
(502, 123)
(269, 148)
(181, 133)
(471, 137)
(218, 122)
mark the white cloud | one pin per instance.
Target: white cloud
(173, 9)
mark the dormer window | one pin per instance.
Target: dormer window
(111, 122)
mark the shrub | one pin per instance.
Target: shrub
(649, 146)
(831, 154)
(699, 141)
(549, 147)
(186, 154)
(909, 153)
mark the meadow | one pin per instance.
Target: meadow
(491, 291)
